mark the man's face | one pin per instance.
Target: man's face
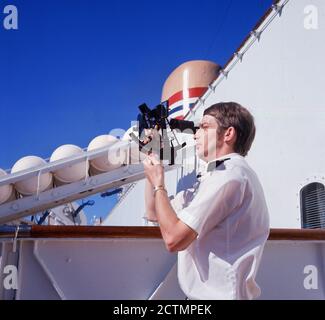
(208, 142)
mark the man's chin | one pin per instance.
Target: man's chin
(200, 155)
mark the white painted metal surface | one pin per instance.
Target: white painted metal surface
(287, 267)
(143, 269)
(89, 268)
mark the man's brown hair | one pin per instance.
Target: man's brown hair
(232, 114)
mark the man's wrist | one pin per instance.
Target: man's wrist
(157, 188)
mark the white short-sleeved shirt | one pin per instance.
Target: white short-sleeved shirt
(227, 209)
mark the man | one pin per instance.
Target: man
(218, 227)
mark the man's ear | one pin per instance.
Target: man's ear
(230, 135)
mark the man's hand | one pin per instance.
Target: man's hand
(154, 171)
(152, 141)
(151, 134)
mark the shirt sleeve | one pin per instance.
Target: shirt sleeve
(177, 202)
(212, 205)
(183, 198)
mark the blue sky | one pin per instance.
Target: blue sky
(76, 69)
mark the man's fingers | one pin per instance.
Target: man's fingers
(154, 159)
(147, 162)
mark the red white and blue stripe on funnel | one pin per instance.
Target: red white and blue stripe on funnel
(179, 106)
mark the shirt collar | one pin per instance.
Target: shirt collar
(213, 164)
(229, 155)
